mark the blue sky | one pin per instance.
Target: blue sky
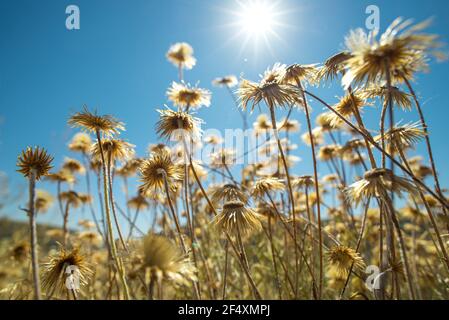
(116, 64)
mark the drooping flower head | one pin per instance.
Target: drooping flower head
(270, 90)
(371, 58)
(227, 192)
(267, 185)
(235, 217)
(377, 183)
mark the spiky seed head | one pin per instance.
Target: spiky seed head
(92, 122)
(34, 161)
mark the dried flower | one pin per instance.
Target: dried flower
(36, 162)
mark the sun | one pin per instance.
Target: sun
(258, 24)
(257, 18)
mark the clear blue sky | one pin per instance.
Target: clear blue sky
(116, 63)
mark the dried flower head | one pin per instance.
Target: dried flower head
(163, 261)
(185, 96)
(222, 158)
(346, 107)
(158, 168)
(43, 201)
(62, 175)
(81, 142)
(138, 203)
(334, 66)
(130, 168)
(181, 55)
(91, 122)
(34, 162)
(303, 182)
(342, 258)
(262, 123)
(394, 94)
(267, 185)
(227, 192)
(228, 81)
(377, 183)
(20, 251)
(236, 218)
(64, 267)
(174, 125)
(297, 73)
(270, 90)
(317, 134)
(372, 59)
(113, 150)
(329, 152)
(403, 137)
(73, 166)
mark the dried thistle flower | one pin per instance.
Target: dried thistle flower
(341, 258)
(178, 124)
(138, 202)
(185, 96)
(303, 182)
(43, 201)
(90, 237)
(394, 94)
(81, 142)
(318, 137)
(91, 122)
(227, 192)
(267, 185)
(270, 90)
(34, 161)
(373, 58)
(73, 166)
(62, 176)
(236, 218)
(75, 199)
(345, 107)
(334, 66)
(262, 124)
(181, 55)
(114, 150)
(222, 158)
(329, 152)
(130, 168)
(228, 81)
(377, 183)
(296, 73)
(403, 137)
(288, 125)
(163, 261)
(156, 169)
(58, 271)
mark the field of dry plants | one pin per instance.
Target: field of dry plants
(376, 228)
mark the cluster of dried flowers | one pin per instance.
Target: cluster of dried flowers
(219, 235)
